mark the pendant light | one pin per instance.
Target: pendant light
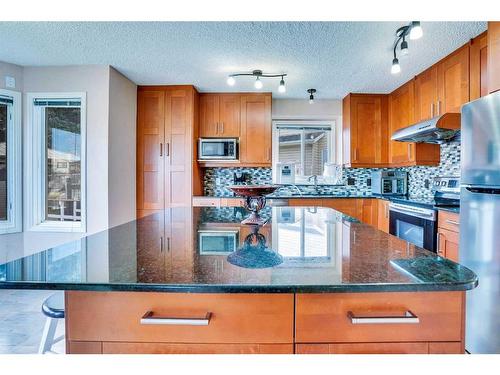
(311, 95)
(258, 84)
(413, 31)
(259, 74)
(416, 31)
(282, 87)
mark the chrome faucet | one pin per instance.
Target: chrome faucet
(314, 178)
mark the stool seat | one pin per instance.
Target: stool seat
(53, 307)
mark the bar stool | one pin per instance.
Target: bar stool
(53, 309)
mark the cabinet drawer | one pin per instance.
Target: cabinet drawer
(365, 348)
(163, 348)
(235, 318)
(449, 220)
(326, 317)
(206, 202)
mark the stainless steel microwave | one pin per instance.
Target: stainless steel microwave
(218, 149)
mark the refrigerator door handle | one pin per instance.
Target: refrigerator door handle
(483, 190)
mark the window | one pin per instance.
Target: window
(307, 147)
(10, 162)
(57, 134)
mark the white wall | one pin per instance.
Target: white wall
(11, 70)
(122, 145)
(94, 80)
(300, 109)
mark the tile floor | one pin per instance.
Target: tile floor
(22, 322)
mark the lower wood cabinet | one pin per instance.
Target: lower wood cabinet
(383, 215)
(448, 235)
(382, 348)
(162, 348)
(331, 323)
(379, 317)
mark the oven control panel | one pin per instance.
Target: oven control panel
(446, 184)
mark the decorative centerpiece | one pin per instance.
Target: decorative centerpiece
(254, 200)
(254, 253)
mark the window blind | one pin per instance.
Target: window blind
(307, 128)
(6, 100)
(57, 102)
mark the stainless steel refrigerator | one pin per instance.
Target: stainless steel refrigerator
(480, 220)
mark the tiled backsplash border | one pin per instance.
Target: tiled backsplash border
(216, 180)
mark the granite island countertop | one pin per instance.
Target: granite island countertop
(299, 250)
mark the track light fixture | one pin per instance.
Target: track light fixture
(311, 95)
(413, 31)
(258, 82)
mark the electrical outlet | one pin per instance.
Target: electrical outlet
(368, 182)
(427, 184)
(351, 181)
(10, 82)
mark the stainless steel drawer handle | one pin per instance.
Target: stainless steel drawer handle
(452, 222)
(408, 318)
(148, 318)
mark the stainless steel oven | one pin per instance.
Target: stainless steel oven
(217, 242)
(413, 224)
(218, 149)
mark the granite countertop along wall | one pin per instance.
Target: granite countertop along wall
(216, 180)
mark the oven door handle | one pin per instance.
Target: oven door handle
(421, 215)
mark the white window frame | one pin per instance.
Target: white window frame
(14, 166)
(35, 166)
(333, 144)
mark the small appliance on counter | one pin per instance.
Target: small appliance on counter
(218, 149)
(285, 173)
(389, 182)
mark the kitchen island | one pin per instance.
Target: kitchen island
(194, 280)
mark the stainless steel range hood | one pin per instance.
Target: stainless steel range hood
(439, 129)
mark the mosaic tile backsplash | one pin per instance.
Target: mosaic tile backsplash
(216, 180)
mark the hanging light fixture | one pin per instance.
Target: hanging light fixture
(282, 87)
(413, 31)
(258, 84)
(404, 47)
(258, 81)
(311, 95)
(416, 31)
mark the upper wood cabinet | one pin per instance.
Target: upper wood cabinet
(426, 94)
(453, 82)
(255, 138)
(401, 114)
(478, 66)
(444, 87)
(493, 56)
(220, 115)
(365, 130)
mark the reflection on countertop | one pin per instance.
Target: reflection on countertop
(187, 249)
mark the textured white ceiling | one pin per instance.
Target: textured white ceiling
(333, 57)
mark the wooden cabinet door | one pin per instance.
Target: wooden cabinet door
(150, 149)
(229, 115)
(453, 82)
(383, 215)
(179, 145)
(368, 130)
(369, 212)
(425, 95)
(209, 115)
(401, 103)
(166, 348)
(364, 348)
(493, 56)
(478, 66)
(255, 141)
(448, 244)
